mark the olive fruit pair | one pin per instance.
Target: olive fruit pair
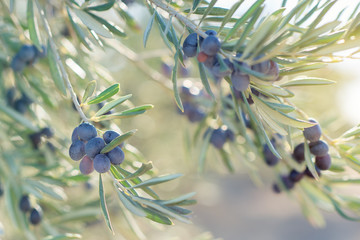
(26, 56)
(35, 138)
(87, 147)
(19, 104)
(210, 46)
(35, 213)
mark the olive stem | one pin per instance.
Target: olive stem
(180, 17)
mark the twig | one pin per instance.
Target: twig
(180, 17)
(59, 62)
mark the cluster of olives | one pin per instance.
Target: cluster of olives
(209, 48)
(20, 104)
(86, 146)
(318, 148)
(26, 56)
(35, 138)
(190, 94)
(35, 213)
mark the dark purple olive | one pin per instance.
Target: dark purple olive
(219, 71)
(24, 203)
(35, 216)
(296, 176)
(211, 45)
(10, 96)
(86, 131)
(323, 162)
(35, 139)
(47, 132)
(218, 138)
(75, 135)
(298, 153)
(109, 136)
(94, 147)
(239, 80)
(319, 148)
(116, 156)
(229, 135)
(287, 182)
(77, 150)
(190, 45)
(17, 64)
(209, 33)
(102, 163)
(269, 157)
(86, 165)
(27, 53)
(21, 106)
(313, 133)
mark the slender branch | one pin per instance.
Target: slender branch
(59, 62)
(180, 17)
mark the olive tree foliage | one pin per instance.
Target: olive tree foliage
(262, 117)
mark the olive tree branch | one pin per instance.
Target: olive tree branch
(64, 74)
(180, 17)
